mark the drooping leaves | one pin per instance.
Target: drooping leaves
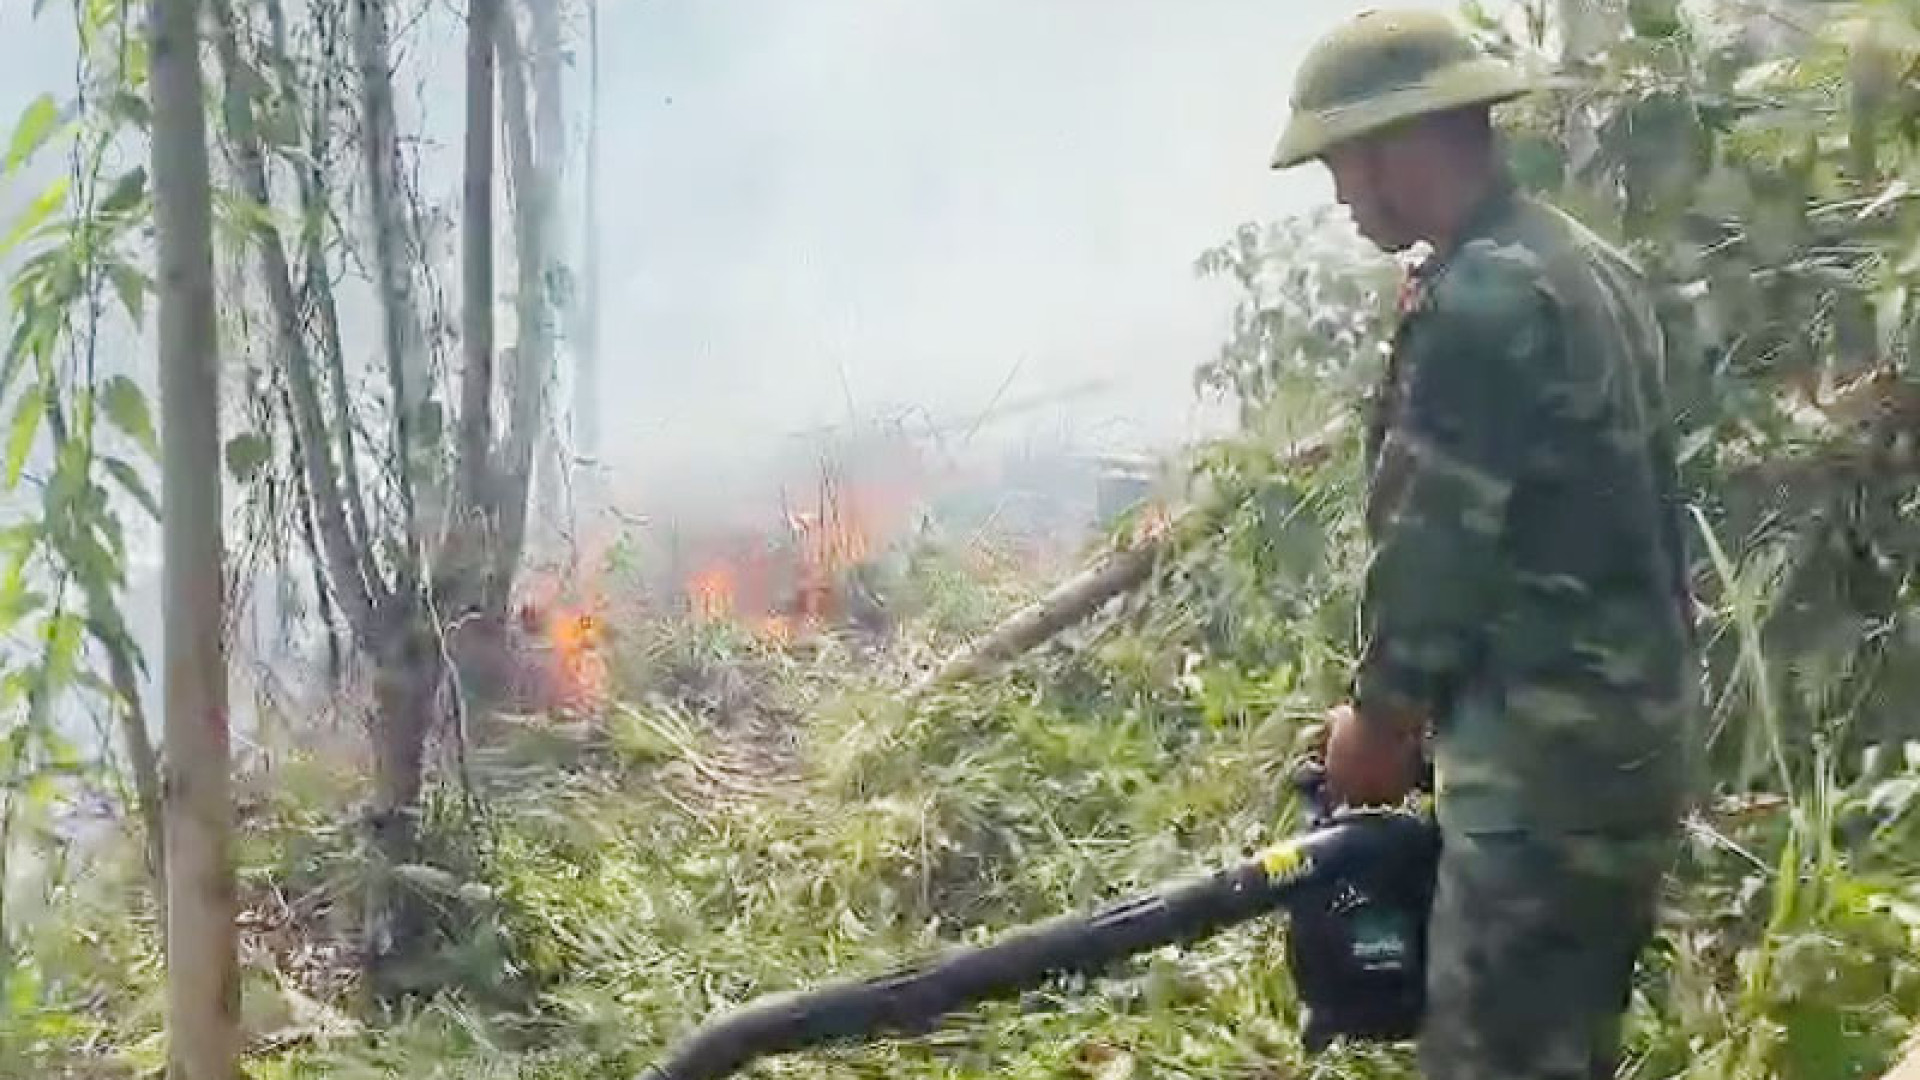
(31, 131)
(126, 407)
(246, 453)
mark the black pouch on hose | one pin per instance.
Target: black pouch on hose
(1357, 947)
(1359, 965)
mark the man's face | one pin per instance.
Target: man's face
(1364, 181)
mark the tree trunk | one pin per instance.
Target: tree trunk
(401, 641)
(407, 671)
(304, 515)
(533, 351)
(586, 385)
(477, 642)
(203, 988)
(406, 371)
(317, 288)
(550, 477)
(345, 564)
(476, 387)
(145, 763)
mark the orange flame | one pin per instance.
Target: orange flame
(577, 636)
(564, 611)
(1154, 522)
(774, 629)
(712, 592)
(779, 588)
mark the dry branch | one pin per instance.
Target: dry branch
(1112, 574)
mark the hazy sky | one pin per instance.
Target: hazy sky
(902, 203)
(893, 203)
(920, 196)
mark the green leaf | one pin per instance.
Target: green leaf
(65, 635)
(20, 434)
(16, 600)
(131, 286)
(132, 108)
(1654, 18)
(127, 407)
(246, 454)
(129, 479)
(19, 350)
(127, 192)
(31, 131)
(35, 215)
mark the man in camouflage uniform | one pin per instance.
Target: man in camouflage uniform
(1525, 606)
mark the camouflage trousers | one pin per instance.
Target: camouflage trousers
(1532, 948)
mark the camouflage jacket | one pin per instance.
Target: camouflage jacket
(1525, 589)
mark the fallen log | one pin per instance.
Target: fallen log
(1115, 572)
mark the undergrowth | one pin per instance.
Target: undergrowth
(599, 898)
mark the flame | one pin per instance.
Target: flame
(577, 635)
(1154, 522)
(774, 629)
(786, 582)
(563, 611)
(712, 592)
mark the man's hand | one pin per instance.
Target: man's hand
(1371, 760)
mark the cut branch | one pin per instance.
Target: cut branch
(1113, 573)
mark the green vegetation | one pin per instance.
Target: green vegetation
(745, 817)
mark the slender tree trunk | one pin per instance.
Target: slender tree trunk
(355, 595)
(533, 352)
(145, 763)
(203, 988)
(478, 642)
(406, 374)
(560, 307)
(317, 285)
(476, 388)
(303, 505)
(406, 667)
(406, 674)
(586, 386)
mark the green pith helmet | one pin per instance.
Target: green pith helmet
(1383, 67)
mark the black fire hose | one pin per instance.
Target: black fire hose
(1348, 861)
